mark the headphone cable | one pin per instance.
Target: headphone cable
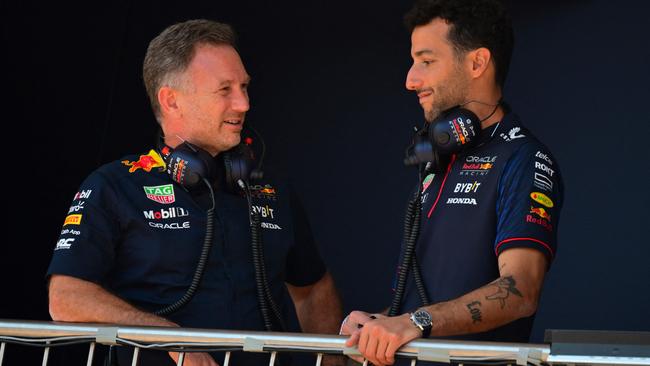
(200, 267)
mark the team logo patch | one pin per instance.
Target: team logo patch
(162, 194)
(263, 191)
(72, 220)
(542, 198)
(146, 162)
(543, 218)
(477, 165)
(541, 212)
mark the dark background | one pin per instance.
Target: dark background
(328, 96)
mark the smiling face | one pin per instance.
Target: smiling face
(437, 75)
(210, 104)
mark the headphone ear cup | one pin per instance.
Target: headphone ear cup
(454, 131)
(238, 165)
(187, 165)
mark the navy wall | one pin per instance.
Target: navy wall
(328, 95)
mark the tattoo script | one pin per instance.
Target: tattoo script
(475, 311)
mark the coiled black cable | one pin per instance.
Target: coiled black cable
(414, 207)
(409, 261)
(264, 297)
(200, 267)
(419, 283)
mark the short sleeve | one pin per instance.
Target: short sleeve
(530, 196)
(304, 264)
(86, 245)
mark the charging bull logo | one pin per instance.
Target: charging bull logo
(146, 162)
(539, 211)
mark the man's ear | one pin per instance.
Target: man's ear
(480, 60)
(167, 98)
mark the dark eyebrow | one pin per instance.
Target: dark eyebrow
(424, 51)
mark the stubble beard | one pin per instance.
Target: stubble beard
(450, 93)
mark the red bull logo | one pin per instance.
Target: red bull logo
(146, 162)
(267, 190)
(539, 211)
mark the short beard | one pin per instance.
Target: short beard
(453, 93)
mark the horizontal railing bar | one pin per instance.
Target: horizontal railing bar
(271, 340)
(609, 360)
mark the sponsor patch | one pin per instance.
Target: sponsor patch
(427, 181)
(461, 201)
(65, 243)
(171, 225)
(76, 208)
(543, 167)
(165, 213)
(162, 194)
(423, 199)
(72, 220)
(268, 225)
(541, 222)
(513, 134)
(70, 231)
(544, 157)
(542, 198)
(467, 187)
(265, 211)
(543, 182)
(83, 194)
(146, 162)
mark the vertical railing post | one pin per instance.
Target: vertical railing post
(319, 359)
(136, 356)
(272, 360)
(91, 353)
(2, 352)
(181, 359)
(226, 359)
(46, 355)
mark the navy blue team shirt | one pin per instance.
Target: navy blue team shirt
(133, 231)
(504, 193)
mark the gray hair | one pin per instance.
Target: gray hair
(170, 53)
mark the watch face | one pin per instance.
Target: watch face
(422, 318)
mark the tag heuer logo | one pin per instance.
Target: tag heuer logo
(161, 194)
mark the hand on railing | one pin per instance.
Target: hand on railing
(195, 359)
(380, 338)
(351, 326)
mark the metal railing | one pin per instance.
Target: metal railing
(182, 340)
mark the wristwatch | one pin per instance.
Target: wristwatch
(422, 319)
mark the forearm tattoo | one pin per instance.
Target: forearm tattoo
(475, 311)
(505, 286)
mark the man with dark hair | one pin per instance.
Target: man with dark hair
(489, 216)
(137, 228)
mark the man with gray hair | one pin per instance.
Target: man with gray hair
(183, 235)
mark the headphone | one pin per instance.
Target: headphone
(453, 131)
(187, 164)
